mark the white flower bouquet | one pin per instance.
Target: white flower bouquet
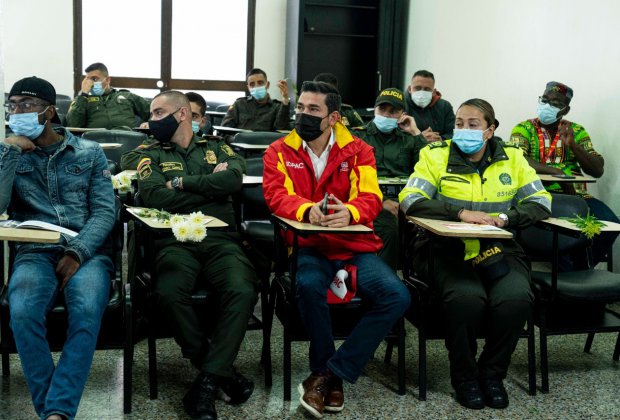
(122, 182)
(185, 228)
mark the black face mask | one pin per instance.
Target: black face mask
(164, 129)
(308, 126)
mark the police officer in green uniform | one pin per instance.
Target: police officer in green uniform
(397, 143)
(350, 117)
(183, 174)
(258, 112)
(98, 105)
(475, 178)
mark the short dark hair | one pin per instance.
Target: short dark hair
(177, 98)
(332, 97)
(487, 110)
(329, 78)
(97, 66)
(198, 99)
(254, 71)
(423, 73)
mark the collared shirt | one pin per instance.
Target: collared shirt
(320, 162)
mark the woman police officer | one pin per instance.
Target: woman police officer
(476, 178)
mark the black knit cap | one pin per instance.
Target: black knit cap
(35, 87)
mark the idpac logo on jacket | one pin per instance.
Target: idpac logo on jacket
(294, 165)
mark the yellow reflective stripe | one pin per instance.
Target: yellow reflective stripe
(302, 210)
(288, 183)
(354, 212)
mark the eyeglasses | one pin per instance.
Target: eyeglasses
(542, 100)
(11, 107)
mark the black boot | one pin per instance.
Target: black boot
(469, 395)
(238, 388)
(199, 402)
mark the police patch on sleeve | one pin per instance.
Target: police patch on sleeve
(144, 168)
(226, 148)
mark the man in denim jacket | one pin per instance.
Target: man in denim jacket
(52, 176)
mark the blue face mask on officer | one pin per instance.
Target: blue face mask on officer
(547, 113)
(27, 124)
(97, 89)
(469, 141)
(385, 124)
(195, 126)
(259, 93)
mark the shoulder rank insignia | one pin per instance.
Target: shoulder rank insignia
(438, 144)
(226, 148)
(210, 157)
(93, 99)
(144, 168)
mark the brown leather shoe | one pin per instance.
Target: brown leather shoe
(334, 400)
(312, 394)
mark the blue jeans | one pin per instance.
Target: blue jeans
(376, 282)
(33, 289)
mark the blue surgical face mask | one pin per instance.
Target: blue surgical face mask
(385, 124)
(547, 113)
(97, 89)
(469, 141)
(195, 126)
(422, 98)
(27, 124)
(259, 93)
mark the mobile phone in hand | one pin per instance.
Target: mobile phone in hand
(324, 205)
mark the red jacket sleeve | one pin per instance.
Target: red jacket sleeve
(278, 188)
(365, 197)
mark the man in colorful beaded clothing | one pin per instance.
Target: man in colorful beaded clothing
(556, 146)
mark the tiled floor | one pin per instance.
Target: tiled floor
(582, 385)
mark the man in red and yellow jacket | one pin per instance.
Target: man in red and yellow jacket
(320, 159)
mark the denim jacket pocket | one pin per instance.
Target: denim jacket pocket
(76, 181)
(23, 182)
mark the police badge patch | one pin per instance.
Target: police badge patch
(505, 179)
(210, 157)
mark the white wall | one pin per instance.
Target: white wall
(269, 41)
(37, 40)
(505, 51)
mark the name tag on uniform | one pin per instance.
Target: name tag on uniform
(171, 166)
(93, 99)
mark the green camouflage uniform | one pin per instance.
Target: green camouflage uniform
(119, 108)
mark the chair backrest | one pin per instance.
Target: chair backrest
(538, 242)
(253, 202)
(257, 137)
(129, 140)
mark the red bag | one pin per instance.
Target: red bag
(342, 289)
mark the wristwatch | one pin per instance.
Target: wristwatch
(175, 183)
(504, 218)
